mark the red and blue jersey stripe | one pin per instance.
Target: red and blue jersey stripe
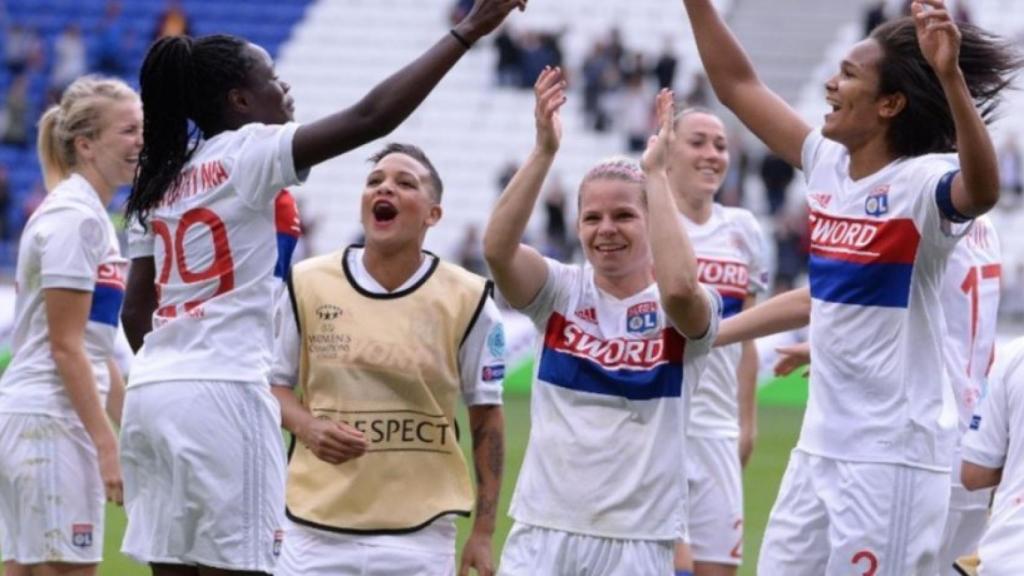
(289, 229)
(731, 279)
(636, 369)
(107, 295)
(862, 262)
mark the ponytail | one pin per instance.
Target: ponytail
(184, 85)
(51, 157)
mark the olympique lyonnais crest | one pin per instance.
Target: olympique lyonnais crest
(81, 535)
(877, 203)
(642, 317)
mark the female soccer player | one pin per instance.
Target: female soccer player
(204, 466)
(58, 451)
(728, 243)
(867, 487)
(382, 340)
(624, 338)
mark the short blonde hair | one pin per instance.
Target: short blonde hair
(618, 168)
(78, 114)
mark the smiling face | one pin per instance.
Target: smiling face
(700, 155)
(859, 113)
(267, 96)
(612, 227)
(398, 203)
(113, 152)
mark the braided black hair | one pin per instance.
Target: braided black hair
(926, 123)
(182, 80)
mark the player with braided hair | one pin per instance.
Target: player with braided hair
(203, 461)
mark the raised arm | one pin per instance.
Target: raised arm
(975, 189)
(787, 311)
(736, 84)
(675, 264)
(519, 271)
(389, 103)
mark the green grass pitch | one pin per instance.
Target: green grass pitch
(778, 427)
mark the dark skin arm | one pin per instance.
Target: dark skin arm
(392, 101)
(139, 301)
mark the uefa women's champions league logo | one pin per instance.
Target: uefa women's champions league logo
(877, 203)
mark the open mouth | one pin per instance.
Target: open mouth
(609, 248)
(384, 211)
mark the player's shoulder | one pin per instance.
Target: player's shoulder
(313, 264)
(739, 217)
(1009, 362)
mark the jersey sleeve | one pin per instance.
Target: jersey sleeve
(71, 247)
(140, 240)
(987, 438)
(263, 163)
(482, 358)
(754, 241)
(701, 346)
(941, 224)
(815, 147)
(561, 278)
(284, 370)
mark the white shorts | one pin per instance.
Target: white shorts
(715, 504)
(835, 518)
(312, 552)
(534, 551)
(51, 494)
(204, 473)
(968, 517)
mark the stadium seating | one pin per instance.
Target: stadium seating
(470, 128)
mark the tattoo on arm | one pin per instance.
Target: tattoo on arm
(488, 459)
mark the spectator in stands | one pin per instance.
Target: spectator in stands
(874, 15)
(777, 175)
(5, 203)
(635, 112)
(510, 59)
(558, 245)
(173, 21)
(600, 74)
(506, 174)
(791, 247)
(538, 51)
(665, 68)
(1011, 167)
(69, 60)
(22, 49)
(14, 117)
(733, 190)
(114, 39)
(471, 251)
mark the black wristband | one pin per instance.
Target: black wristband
(465, 43)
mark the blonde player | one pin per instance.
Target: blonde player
(970, 304)
(382, 340)
(220, 144)
(58, 451)
(720, 434)
(623, 342)
(902, 162)
(993, 456)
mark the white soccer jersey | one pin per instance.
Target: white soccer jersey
(879, 391)
(213, 241)
(730, 259)
(69, 242)
(970, 302)
(993, 440)
(609, 404)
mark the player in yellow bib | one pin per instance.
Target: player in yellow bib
(381, 340)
